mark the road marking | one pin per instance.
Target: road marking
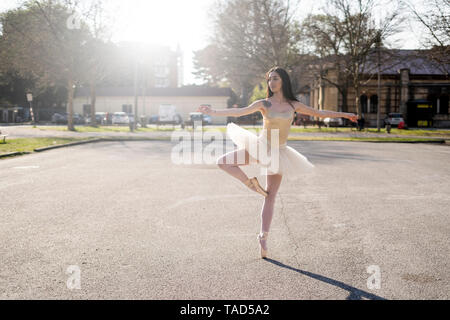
(27, 167)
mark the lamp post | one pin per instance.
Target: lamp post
(30, 100)
(378, 46)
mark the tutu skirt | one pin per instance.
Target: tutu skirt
(284, 160)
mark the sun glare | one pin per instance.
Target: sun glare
(152, 21)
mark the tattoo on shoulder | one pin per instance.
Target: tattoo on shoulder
(267, 104)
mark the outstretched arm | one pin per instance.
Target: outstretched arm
(304, 109)
(234, 112)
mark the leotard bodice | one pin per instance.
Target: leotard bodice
(278, 120)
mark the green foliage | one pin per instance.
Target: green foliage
(260, 92)
(37, 42)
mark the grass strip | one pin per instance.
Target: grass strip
(29, 144)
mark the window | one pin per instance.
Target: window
(161, 71)
(442, 104)
(373, 104)
(363, 102)
(127, 108)
(161, 82)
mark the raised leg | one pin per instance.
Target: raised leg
(231, 161)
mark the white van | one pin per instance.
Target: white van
(168, 113)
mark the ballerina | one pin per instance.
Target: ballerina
(278, 111)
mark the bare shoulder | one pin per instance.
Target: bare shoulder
(260, 104)
(298, 106)
(263, 104)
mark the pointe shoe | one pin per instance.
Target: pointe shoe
(263, 236)
(255, 186)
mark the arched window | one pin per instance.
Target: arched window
(374, 104)
(363, 102)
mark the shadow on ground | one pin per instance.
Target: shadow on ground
(354, 293)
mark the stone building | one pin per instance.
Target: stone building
(411, 84)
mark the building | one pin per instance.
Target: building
(411, 84)
(153, 65)
(186, 99)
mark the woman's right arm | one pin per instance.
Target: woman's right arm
(233, 112)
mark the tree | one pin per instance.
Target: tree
(208, 65)
(39, 40)
(100, 50)
(324, 36)
(436, 20)
(249, 37)
(345, 39)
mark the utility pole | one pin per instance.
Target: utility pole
(135, 91)
(379, 79)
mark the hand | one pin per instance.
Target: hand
(352, 117)
(206, 109)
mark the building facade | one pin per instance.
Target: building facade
(411, 84)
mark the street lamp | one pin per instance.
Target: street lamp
(30, 100)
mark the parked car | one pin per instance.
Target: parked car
(100, 118)
(394, 119)
(120, 118)
(156, 119)
(59, 118)
(198, 117)
(63, 118)
(207, 120)
(153, 119)
(333, 122)
(78, 119)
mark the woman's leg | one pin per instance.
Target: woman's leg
(273, 184)
(231, 161)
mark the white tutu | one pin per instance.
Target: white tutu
(291, 164)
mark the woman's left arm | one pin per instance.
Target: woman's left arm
(304, 109)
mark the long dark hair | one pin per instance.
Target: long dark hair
(286, 84)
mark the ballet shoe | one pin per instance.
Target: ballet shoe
(263, 236)
(255, 186)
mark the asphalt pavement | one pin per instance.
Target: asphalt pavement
(119, 220)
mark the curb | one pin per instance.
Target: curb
(103, 139)
(441, 141)
(66, 145)
(13, 154)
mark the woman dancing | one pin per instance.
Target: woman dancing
(278, 110)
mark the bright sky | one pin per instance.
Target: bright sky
(186, 22)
